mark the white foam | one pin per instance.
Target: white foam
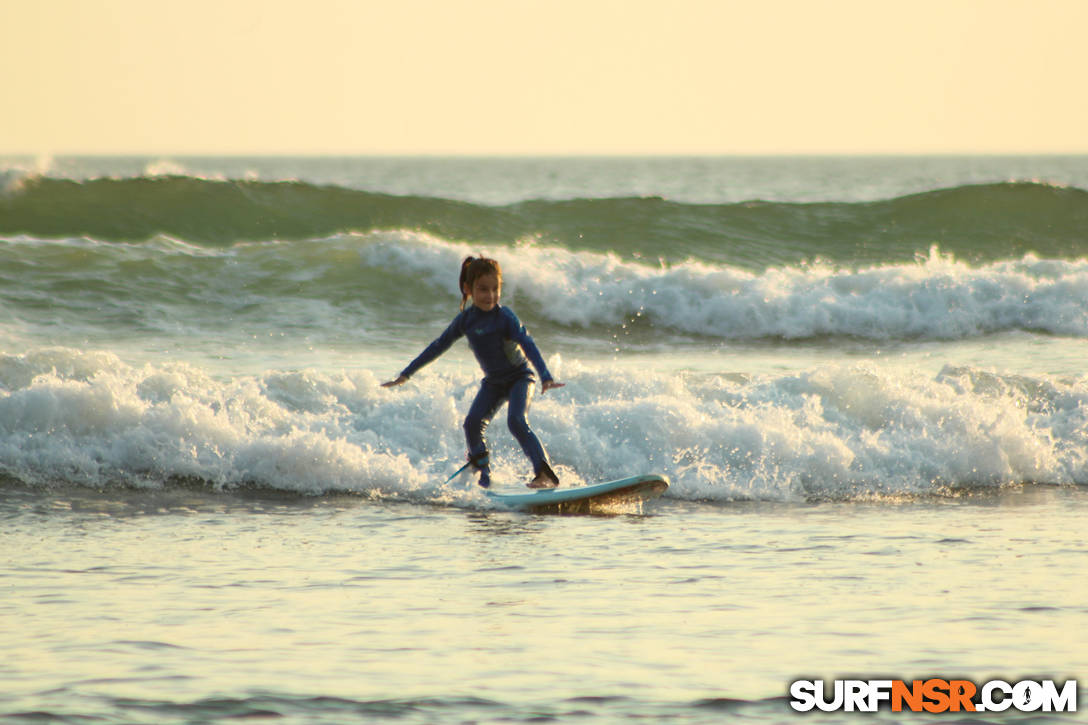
(829, 432)
(164, 167)
(935, 297)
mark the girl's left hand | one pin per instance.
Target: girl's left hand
(549, 384)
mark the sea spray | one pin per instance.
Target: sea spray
(832, 432)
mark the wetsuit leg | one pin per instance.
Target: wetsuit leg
(479, 415)
(517, 418)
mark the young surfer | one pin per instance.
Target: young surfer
(501, 345)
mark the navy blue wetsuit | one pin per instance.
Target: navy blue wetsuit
(501, 344)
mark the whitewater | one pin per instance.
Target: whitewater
(863, 377)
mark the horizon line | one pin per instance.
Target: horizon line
(531, 154)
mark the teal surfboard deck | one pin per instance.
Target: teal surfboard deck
(597, 498)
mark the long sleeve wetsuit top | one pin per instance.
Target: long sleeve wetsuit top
(498, 340)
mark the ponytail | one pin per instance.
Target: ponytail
(463, 279)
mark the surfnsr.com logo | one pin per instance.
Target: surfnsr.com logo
(934, 695)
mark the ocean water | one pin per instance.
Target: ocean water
(864, 378)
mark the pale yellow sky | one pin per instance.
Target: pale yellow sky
(543, 76)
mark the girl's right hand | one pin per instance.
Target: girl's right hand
(394, 383)
(550, 385)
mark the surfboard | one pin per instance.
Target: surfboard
(608, 497)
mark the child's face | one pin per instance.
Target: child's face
(485, 292)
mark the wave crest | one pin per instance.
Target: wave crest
(977, 223)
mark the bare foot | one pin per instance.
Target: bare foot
(545, 479)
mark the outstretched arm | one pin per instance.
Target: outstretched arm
(436, 348)
(517, 332)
